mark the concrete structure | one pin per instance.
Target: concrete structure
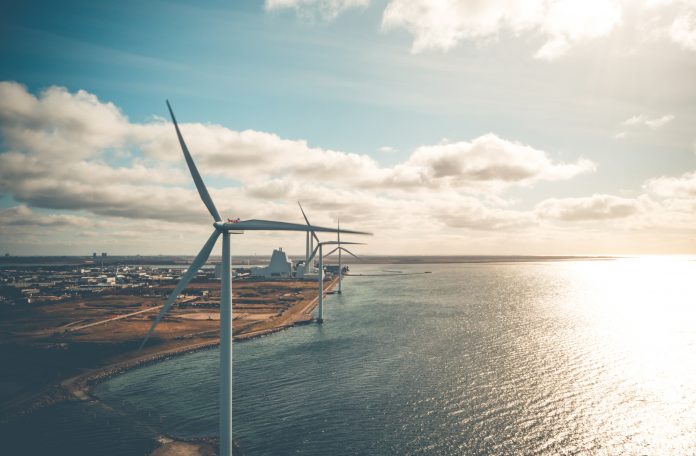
(279, 267)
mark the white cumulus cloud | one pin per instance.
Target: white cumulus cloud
(595, 207)
(673, 186)
(68, 162)
(442, 25)
(78, 165)
(559, 24)
(683, 31)
(487, 159)
(652, 123)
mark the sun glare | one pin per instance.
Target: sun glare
(639, 315)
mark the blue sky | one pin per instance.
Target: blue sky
(350, 76)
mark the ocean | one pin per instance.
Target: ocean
(533, 358)
(561, 357)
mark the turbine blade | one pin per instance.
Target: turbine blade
(202, 190)
(339, 230)
(199, 261)
(308, 224)
(350, 253)
(303, 212)
(331, 252)
(343, 242)
(271, 225)
(311, 257)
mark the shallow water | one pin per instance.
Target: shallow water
(545, 358)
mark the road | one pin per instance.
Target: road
(120, 317)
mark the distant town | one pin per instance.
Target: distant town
(27, 280)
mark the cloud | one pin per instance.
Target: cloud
(472, 213)
(634, 120)
(568, 22)
(387, 149)
(22, 216)
(683, 31)
(487, 159)
(654, 123)
(327, 9)
(107, 180)
(595, 207)
(562, 23)
(659, 122)
(252, 155)
(84, 123)
(669, 186)
(95, 159)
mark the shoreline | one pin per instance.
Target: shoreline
(78, 387)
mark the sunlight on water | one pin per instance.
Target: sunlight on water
(560, 357)
(641, 316)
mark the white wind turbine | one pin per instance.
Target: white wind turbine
(340, 249)
(319, 248)
(224, 229)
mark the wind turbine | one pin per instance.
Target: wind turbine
(309, 244)
(224, 229)
(340, 249)
(320, 248)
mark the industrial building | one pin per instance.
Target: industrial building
(279, 267)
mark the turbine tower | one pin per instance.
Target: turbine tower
(224, 229)
(319, 248)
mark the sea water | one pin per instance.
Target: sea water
(555, 357)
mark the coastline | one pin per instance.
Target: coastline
(79, 387)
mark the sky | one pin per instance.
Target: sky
(498, 127)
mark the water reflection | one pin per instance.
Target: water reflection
(516, 358)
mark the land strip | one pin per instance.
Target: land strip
(76, 343)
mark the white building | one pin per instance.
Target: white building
(310, 274)
(279, 267)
